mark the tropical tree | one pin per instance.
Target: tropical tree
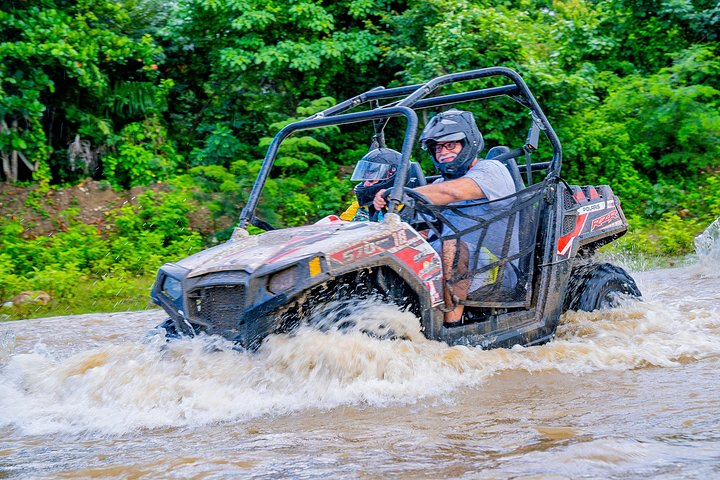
(240, 66)
(69, 77)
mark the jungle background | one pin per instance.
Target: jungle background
(131, 131)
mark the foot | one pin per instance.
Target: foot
(456, 323)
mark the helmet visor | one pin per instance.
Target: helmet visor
(365, 170)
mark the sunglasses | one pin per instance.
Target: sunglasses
(449, 146)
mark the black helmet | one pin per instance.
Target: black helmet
(453, 125)
(380, 165)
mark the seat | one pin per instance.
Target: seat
(509, 163)
(416, 177)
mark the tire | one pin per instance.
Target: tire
(343, 316)
(598, 286)
(334, 306)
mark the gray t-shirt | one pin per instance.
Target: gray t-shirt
(492, 177)
(495, 181)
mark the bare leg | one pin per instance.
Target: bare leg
(456, 281)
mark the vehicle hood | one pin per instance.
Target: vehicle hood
(276, 248)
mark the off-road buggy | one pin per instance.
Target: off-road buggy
(256, 285)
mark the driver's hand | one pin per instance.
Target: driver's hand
(379, 202)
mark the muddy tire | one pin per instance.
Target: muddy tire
(597, 286)
(170, 328)
(332, 306)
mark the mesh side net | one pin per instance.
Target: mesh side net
(489, 247)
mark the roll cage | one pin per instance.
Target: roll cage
(405, 102)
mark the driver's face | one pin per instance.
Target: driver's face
(447, 151)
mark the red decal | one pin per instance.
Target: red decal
(419, 263)
(329, 219)
(565, 242)
(602, 220)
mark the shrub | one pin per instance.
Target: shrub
(59, 281)
(10, 283)
(143, 155)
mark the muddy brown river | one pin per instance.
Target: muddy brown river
(621, 394)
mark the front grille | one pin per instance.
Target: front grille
(220, 308)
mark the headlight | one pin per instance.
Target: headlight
(172, 287)
(283, 280)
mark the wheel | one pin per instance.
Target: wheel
(340, 304)
(597, 286)
(171, 330)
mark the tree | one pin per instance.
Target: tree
(68, 74)
(246, 64)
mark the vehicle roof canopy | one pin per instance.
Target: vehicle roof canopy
(405, 101)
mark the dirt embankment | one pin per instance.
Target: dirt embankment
(41, 211)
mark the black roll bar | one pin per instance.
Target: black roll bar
(522, 90)
(335, 119)
(414, 99)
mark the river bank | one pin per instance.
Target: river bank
(89, 248)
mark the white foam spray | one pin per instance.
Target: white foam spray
(130, 385)
(707, 244)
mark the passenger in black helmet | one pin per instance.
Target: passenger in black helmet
(375, 172)
(453, 140)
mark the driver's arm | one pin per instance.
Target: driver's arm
(442, 193)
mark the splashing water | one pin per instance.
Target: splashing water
(7, 345)
(707, 244)
(622, 393)
(92, 373)
(122, 386)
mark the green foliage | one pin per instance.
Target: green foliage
(62, 67)
(653, 138)
(672, 236)
(675, 113)
(245, 65)
(143, 155)
(221, 148)
(59, 280)
(142, 237)
(162, 216)
(632, 88)
(10, 282)
(305, 184)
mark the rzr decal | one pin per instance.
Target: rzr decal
(363, 250)
(604, 219)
